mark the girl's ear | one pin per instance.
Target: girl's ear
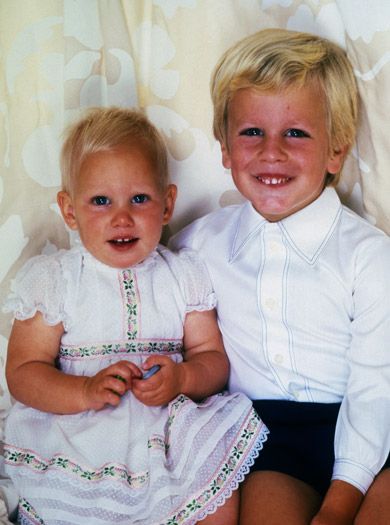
(64, 201)
(170, 198)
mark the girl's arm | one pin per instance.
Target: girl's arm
(34, 380)
(203, 372)
(205, 369)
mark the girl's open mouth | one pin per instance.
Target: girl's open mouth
(124, 242)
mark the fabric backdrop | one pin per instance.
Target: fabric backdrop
(59, 56)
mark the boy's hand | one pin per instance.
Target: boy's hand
(340, 505)
(163, 386)
(108, 385)
(331, 517)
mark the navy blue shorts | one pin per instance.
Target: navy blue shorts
(301, 440)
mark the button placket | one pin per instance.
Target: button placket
(272, 299)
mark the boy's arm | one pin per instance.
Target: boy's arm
(34, 380)
(340, 505)
(203, 372)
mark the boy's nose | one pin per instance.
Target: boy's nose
(272, 150)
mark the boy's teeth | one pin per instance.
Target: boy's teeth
(273, 180)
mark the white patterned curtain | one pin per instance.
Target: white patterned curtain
(59, 56)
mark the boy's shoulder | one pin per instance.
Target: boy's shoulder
(214, 223)
(178, 260)
(361, 226)
(366, 244)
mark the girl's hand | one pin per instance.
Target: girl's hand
(108, 385)
(163, 386)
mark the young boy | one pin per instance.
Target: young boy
(302, 283)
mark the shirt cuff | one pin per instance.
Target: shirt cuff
(353, 473)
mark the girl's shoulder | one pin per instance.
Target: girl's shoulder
(191, 274)
(46, 268)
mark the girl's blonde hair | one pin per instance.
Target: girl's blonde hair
(277, 59)
(102, 129)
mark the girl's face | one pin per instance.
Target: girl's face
(278, 148)
(117, 206)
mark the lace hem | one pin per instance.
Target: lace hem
(231, 487)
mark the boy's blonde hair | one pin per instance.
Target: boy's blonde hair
(277, 59)
(102, 129)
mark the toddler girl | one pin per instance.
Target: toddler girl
(115, 356)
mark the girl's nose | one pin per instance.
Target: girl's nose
(272, 149)
(122, 217)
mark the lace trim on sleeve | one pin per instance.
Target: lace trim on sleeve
(39, 286)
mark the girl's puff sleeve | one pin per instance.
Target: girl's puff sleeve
(38, 287)
(195, 282)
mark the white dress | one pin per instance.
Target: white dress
(131, 464)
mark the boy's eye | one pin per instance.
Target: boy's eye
(296, 133)
(252, 132)
(100, 200)
(139, 199)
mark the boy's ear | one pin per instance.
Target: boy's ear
(170, 198)
(225, 156)
(65, 204)
(336, 160)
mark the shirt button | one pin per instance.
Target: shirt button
(278, 359)
(270, 303)
(274, 247)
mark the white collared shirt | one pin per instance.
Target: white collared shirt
(304, 309)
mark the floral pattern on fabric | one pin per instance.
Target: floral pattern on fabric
(192, 511)
(129, 287)
(136, 347)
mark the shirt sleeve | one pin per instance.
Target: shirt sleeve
(362, 440)
(38, 287)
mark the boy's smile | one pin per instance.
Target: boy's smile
(278, 148)
(117, 205)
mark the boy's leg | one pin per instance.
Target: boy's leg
(227, 514)
(275, 498)
(375, 507)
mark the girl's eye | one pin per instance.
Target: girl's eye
(252, 132)
(296, 133)
(139, 199)
(100, 200)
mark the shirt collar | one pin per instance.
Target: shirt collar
(307, 230)
(248, 224)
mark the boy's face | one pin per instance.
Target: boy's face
(278, 148)
(117, 206)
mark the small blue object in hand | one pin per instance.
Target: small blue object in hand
(151, 371)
